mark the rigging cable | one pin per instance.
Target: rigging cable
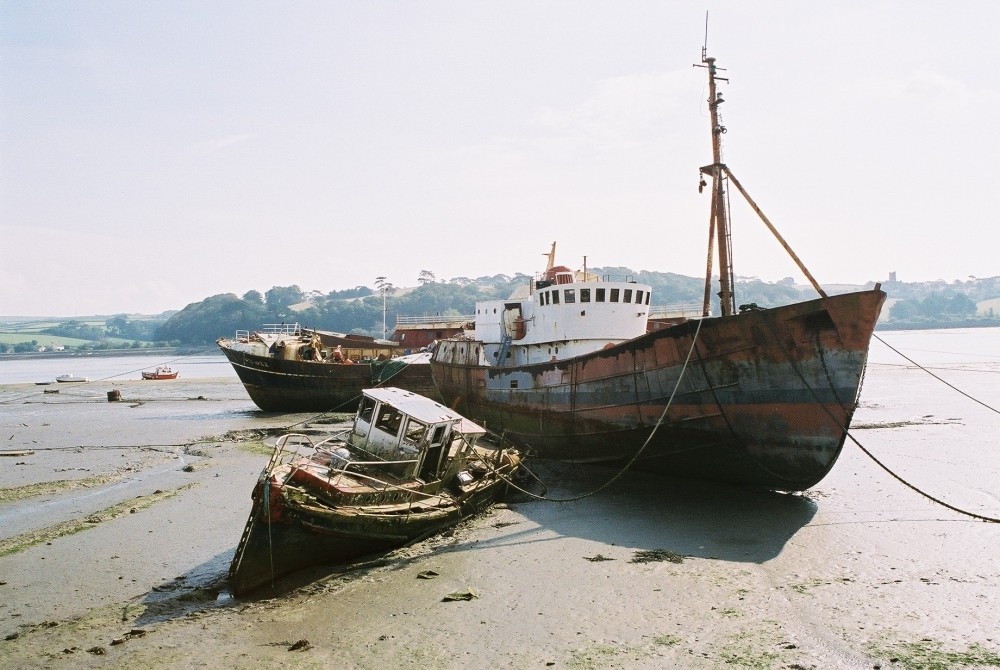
(847, 432)
(949, 385)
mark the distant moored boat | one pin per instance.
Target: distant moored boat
(161, 372)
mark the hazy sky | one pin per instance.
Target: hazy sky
(153, 154)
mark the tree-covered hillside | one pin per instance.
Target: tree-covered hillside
(359, 309)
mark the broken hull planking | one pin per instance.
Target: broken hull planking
(308, 535)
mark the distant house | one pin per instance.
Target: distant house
(58, 347)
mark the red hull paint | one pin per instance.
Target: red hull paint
(160, 375)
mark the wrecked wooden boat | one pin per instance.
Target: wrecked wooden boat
(286, 368)
(407, 468)
(573, 367)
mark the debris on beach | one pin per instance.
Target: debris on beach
(468, 594)
(598, 558)
(656, 556)
(134, 633)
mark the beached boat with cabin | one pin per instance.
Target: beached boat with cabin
(572, 367)
(161, 372)
(407, 468)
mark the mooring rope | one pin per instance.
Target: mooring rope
(927, 370)
(90, 382)
(618, 475)
(847, 432)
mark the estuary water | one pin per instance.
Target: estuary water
(96, 367)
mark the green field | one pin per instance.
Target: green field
(19, 331)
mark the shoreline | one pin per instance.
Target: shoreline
(207, 350)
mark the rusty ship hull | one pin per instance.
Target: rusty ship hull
(765, 398)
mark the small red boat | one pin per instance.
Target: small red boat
(161, 372)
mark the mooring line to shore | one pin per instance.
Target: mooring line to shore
(618, 475)
(882, 465)
(895, 476)
(89, 382)
(927, 370)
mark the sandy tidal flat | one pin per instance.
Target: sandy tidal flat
(129, 570)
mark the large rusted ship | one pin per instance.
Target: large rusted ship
(574, 368)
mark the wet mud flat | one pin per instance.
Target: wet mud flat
(138, 506)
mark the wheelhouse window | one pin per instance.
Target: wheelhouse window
(414, 431)
(555, 297)
(366, 409)
(638, 297)
(628, 295)
(599, 295)
(585, 295)
(614, 295)
(389, 419)
(570, 295)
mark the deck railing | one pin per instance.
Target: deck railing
(422, 320)
(691, 310)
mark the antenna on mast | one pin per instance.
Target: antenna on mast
(704, 45)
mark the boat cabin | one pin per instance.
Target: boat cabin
(425, 438)
(563, 314)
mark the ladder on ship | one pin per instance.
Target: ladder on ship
(504, 350)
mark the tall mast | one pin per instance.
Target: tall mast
(720, 217)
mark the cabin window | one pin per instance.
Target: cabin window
(599, 295)
(513, 383)
(414, 431)
(438, 437)
(389, 419)
(366, 409)
(585, 295)
(628, 295)
(545, 297)
(647, 298)
(555, 297)
(614, 295)
(570, 295)
(638, 297)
